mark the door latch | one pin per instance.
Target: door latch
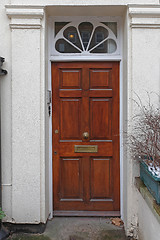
(49, 101)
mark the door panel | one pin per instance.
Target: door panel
(70, 79)
(86, 101)
(71, 183)
(70, 118)
(100, 118)
(100, 78)
(100, 181)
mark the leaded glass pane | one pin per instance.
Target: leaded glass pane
(71, 34)
(64, 47)
(109, 46)
(99, 35)
(112, 26)
(59, 26)
(85, 29)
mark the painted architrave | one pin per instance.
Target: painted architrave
(103, 57)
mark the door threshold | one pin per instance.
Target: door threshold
(86, 213)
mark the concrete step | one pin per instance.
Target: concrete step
(83, 228)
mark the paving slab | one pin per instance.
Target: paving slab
(83, 228)
(76, 228)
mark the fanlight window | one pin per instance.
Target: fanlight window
(85, 38)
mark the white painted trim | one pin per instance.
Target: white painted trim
(86, 18)
(84, 58)
(140, 25)
(25, 26)
(25, 17)
(121, 130)
(144, 11)
(50, 131)
(144, 16)
(14, 11)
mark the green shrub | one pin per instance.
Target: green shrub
(2, 214)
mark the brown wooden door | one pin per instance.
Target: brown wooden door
(86, 100)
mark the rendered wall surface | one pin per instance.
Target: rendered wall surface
(5, 92)
(26, 125)
(146, 61)
(144, 79)
(148, 224)
(27, 120)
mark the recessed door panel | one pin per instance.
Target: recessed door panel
(100, 118)
(100, 78)
(70, 79)
(71, 185)
(101, 179)
(70, 118)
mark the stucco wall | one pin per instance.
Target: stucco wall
(23, 120)
(146, 62)
(144, 78)
(148, 223)
(5, 89)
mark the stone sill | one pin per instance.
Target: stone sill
(151, 202)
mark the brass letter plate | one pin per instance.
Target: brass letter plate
(85, 148)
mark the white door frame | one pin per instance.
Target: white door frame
(52, 58)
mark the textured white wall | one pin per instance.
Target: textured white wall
(26, 125)
(148, 224)
(5, 91)
(27, 110)
(146, 62)
(144, 76)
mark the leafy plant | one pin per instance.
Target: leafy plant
(2, 214)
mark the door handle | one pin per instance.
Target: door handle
(85, 135)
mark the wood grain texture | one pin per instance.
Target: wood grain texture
(86, 99)
(70, 79)
(100, 118)
(70, 118)
(71, 179)
(100, 179)
(100, 78)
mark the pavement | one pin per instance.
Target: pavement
(77, 228)
(72, 228)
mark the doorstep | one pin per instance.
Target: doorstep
(83, 228)
(77, 228)
(151, 202)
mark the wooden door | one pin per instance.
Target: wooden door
(86, 112)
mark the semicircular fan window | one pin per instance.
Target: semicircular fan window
(86, 37)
